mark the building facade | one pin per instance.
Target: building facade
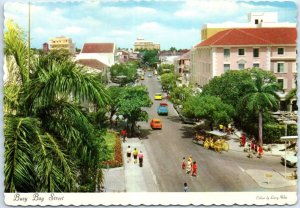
(62, 43)
(105, 53)
(182, 67)
(141, 44)
(271, 49)
(255, 20)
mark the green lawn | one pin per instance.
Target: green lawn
(110, 140)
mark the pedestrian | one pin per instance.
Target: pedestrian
(141, 158)
(243, 140)
(185, 187)
(123, 134)
(260, 151)
(189, 166)
(128, 154)
(221, 127)
(183, 164)
(135, 154)
(194, 169)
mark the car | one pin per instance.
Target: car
(291, 159)
(162, 109)
(156, 123)
(158, 96)
(186, 120)
(142, 78)
(149, 75)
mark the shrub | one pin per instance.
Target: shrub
(273, 131)
(118, 159)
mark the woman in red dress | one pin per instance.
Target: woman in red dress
(194, 169)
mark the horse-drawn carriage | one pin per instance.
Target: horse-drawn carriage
(212, 139)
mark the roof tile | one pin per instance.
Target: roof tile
(252, 36)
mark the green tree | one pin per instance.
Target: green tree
(208, 107)
(124, 73)
(260, 97)
(132, 100)
(49, 142)
(165, 68)
(150, 58)
(180, 94)
(113, 106)
(168, 81)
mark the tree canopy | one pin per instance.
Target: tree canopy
(131, 102)
(168, 81)
(124, 73)
(208, 107)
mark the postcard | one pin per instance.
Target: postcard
(137, 102)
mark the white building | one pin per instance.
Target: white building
(106, 53)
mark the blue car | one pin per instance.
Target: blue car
(162, 109)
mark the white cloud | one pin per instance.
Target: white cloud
(74, 30)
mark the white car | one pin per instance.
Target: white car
(291, 160)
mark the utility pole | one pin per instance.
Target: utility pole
(28, 36)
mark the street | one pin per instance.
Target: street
(217, 172)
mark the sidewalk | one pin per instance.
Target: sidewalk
(234, 145)
(131, 177)
(270, 179)
(265, 178)
(138, 179)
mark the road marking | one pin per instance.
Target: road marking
(153, 176)
(241, 169)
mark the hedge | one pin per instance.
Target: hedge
(273, 131)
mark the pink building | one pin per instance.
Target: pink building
(182, 67)
(272, 49)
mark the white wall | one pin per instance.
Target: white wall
(106, 58)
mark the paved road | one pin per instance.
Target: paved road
(216, 172)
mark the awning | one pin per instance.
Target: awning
(216, 133)
(288, 138)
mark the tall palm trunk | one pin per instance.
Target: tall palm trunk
(260, 128)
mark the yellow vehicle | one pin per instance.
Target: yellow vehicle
(158, 96)
(142, 77)
(216, 140)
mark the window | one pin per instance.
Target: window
(280, 83)
(241, 51)
(241, 66)
(226, 52)
(280, 51)
(280, 67)
(226, 67)
(256, 21)
(255, 52)
(256, 65)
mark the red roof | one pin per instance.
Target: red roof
(98, 48)
(93, 63)
(185, 56)
(252, 36)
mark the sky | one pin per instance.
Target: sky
(173, 23)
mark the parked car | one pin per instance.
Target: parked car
(149, 75)
(158, 96)
(156, 123)
(291, 159)
(142, 78)
(162, 109)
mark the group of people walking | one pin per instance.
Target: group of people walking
(252, 147)
(189, 166)
(136, 156)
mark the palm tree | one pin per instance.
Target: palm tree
(260, 97)
(49, 142)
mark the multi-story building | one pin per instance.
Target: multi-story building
(105, 53)
(141, 44)
(271, 49)
(62, 43)
(255, 20)
(182, 67)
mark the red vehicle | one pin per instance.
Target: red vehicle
(156, 124)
